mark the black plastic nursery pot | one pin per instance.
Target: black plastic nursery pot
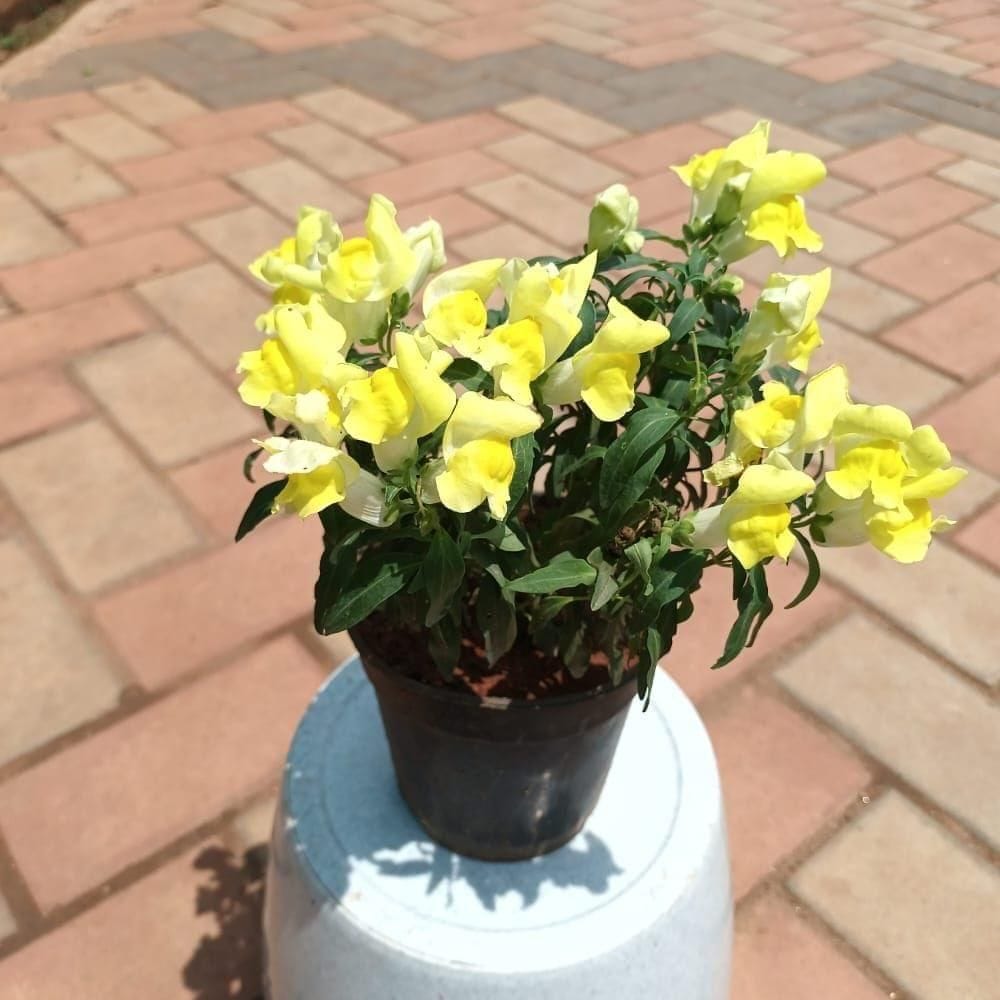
(495, 778)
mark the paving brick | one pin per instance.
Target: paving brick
(91, 811)
(931, 600)
(165, 400)
(690, 659)
(235, 21)
(212, 309)
(660, 195)
(461, 96)
(658, 150)
(580, 39)
(155, 930)
(833, 193)
(483, 44)
(958, 336)
(981, 177)
(560, 121)
(959, 140)
(960, 256)
(945, 84)
(110, 137)
(924, 57)
(40, 337)
(660, 53)
(942, 736)
(114, 219)
(913, 207)
(97, 510)
(240, 236)
(61, 177)
(885, 164)
(926, 914)
(981, 537)
(963, 423)
(332, 150)
(976, 27)
(538, 205)
(356, 112)
(738, 121)
(253, 825)
(174, 169)
(506, 240)
(954, 111)
(310, 38)
(83, 273)
(854, 128)
(57, 674)
(43, 110)
(420, 181)
(149, 101)
(248, 84)
(836, 66)
(566, 168)
(779, 956)
(220, 126)
(865, 305)
(286, 184)
(167, 626)
(988, 220)
(767, 753)
(827, 39)
(8, 925)
(27, 234)
(457, 214)
(878, 374)
(451, 136)
(215, 487)
(844, 242)
(36, 400)
(21, 140)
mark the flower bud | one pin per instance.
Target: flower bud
(612, 222)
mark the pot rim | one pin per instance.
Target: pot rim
(446, 694)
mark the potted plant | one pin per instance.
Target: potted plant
(522, 481)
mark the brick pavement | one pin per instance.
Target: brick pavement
(155, 671)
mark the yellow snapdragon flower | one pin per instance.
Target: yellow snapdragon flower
(754, 521)
(795, 425)
(401, 403)
(783, 323)
(299, 372)
(543, 318)
(603, 372)
(477, 459)
(370, 268)
(754, 195)
(296, 261)
(454, 304)
(320, 475)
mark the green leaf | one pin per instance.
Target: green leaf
(468, 373)
(605, 587)
(634, 487)
(444, 645)
(563, 572)
(649, 657)
(644, 431)
(524, 461)
(685, 318)
(753, 605)
(502, 537)
(548, 608)
(373, 583)
(640, 555)
(443, 572)
(496, 619)
(259, 508)
(813, 574)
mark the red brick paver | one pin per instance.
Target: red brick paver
(155, 670)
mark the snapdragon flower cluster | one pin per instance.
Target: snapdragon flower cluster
(556, 449)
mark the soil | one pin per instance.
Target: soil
(523, 673)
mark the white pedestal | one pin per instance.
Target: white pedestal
(361, 905)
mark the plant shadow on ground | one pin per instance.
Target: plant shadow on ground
(228, 965)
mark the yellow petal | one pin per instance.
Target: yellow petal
(477, 417)
(779, 175)
(480, 470)
(433, 397)
(878, 466)
(772, 421)
(623, 331)
(771, 484)
(515, 353)
(932, 484)
(380, 406)
(608, 383)
(479, 276)
(458, 320)
(903, 534)
(758, 532)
